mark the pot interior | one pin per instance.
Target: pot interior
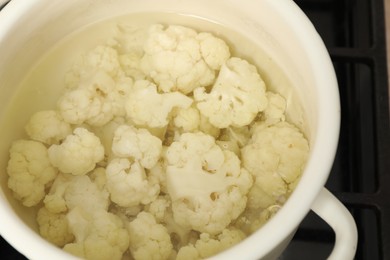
(32, 29)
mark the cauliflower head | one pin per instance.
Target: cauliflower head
(179, 59)
(236, 97)
(146, 107)
(48, 127)
(98, 235)
(138, 144)
(78, 153)
(148, 239)
(275, 155)
(128, 184)
(207, 185)
(30, 171)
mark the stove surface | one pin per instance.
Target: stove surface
(354, 33)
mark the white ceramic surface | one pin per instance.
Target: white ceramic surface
(29, 28)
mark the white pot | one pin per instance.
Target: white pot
(29, 28)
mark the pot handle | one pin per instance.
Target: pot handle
(332, 211)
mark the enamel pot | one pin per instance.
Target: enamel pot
(29, 28)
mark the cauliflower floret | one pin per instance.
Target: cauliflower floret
(128, 184)
(54, 201)
(86, 194)
(96, 101)
(159, 207)
(47, 127)
(54, 227)
(188, 252)
(130, 63)
(207, 245)
(276, 107)
(275, 156)
(101, 58)
(178, 59)
(190, 120)
(78, 153)
(30, 171)
(138, 144)
(105, 58)
(97, 87)
(68, 192)
(187, 119)
(207, 185)
(99, 235)
(268, 189)
(78, 105)
(131, 40)
(148, 239)
(236, 97)
(146, 107)
(215, 51)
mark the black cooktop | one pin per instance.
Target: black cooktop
(354, 33)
